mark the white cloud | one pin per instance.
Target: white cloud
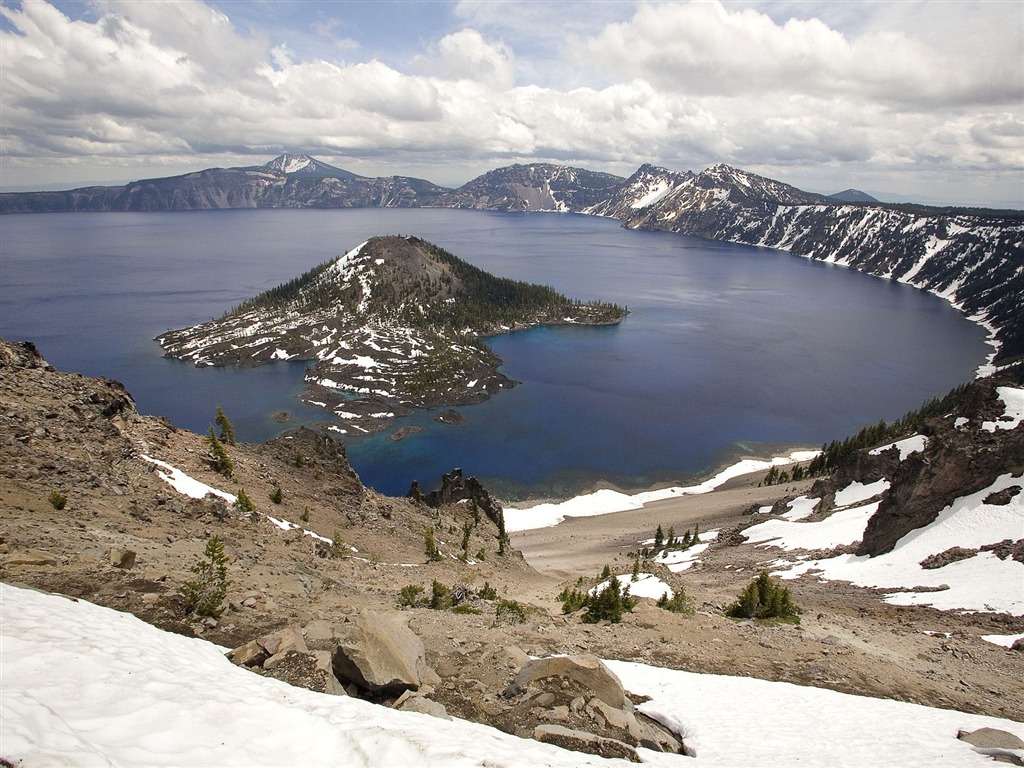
(466, 55)
(680, 84)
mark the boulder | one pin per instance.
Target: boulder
(121, 558)
(380, 655)
(283, 640)
(248, 655)
(425, 706)
(1001, 746)
(991, 737)
(586, 669)
(31, 557)
(581, 741)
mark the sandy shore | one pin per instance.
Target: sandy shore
(580, 545)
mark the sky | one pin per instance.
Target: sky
(912, 100)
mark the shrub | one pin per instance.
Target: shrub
(466, 608)
(440, 596)
(411, 596)
(487, 592)
(764, 598)
(243, 502)
(275, 495)
(58, 500)
(678, 603)
(205, 593)
(509, 612)
(304, 517)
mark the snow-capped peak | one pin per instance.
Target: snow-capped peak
(289, 163)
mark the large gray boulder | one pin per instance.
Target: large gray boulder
(380, 655)
(587, 670)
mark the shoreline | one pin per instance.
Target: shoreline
(605, 501)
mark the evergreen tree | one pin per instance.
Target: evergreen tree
(430, 546)
(636, 568)
(467, 529)
(275, 495)
(671, 537)
(502, 535)
(227, 430)
(219, 456)
(659, 537)
(206, 592)
(764, 598)
(243, 502)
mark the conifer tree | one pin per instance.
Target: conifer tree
(659, 537)
(206, 592)
(430, 546)
(227, 430)
(502, 535)
(636, 568)
(671, 537)
(219, 456)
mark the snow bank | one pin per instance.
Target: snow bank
(186, 485)
(839, 528)
(606, 501)
(906, 446)
(85, 685)
(979, 583)
(737, 721)
(646, 585)
(1013, 400)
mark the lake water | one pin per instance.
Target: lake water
(728, 351)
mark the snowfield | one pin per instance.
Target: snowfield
(982, 582)
(88, 686)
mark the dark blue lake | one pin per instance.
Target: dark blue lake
(729, 350)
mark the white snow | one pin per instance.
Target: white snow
(646, 585)
(1013, 399)
(606, 501)
(839, 528)
(1004, 640)
(85, 685)
(979, 583)
(857, 492)
(906, 446)
(186, 485)
(654, 193)
(799, 508)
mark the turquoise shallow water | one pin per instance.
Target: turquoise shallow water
(728, 350)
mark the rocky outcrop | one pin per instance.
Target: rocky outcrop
(957, 461)
(455, 488)
(380, 655)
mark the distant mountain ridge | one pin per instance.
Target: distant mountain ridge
(972, 257)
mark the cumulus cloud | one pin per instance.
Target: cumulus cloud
(709, 48)
(680, 84)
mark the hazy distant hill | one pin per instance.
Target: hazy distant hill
(853, 196)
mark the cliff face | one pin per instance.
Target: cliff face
(976, 261)
(963, 452)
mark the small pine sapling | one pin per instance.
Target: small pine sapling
(659, 537)
(243, 502)
(276, 495)
(430, 546)
(205, 594)
(227, 430)
(58, 500)
(219, 458)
